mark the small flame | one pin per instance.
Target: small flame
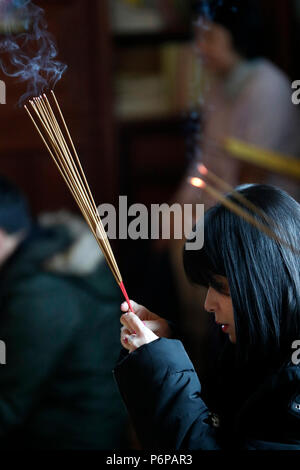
(197, 182)
(202, 169)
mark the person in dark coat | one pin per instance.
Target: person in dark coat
(251, 399)
(56, 388)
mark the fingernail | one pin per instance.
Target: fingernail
(125, 340)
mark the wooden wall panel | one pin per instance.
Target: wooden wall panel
(81, 32)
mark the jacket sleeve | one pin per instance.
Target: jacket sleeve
(283, 399)
(161, 391)
(36, 330)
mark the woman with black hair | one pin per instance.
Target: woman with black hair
(252, 400)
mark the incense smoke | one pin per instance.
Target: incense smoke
(27, 49)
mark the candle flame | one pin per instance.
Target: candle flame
(197, 182)
(202, 169)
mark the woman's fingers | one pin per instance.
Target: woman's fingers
(134, 333)
(132, 322)
(136, 307)
(142, 312)
(125, 307)
(125, 333)
(152, 325)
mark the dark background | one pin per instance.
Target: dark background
(105, 143)
(143, 157)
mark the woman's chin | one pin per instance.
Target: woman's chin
(232, 338)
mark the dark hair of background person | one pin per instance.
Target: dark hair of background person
(263, 275)
(14, 211)
(244, 19)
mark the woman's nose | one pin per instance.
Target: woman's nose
(210, 303)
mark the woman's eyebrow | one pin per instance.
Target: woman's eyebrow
(217, 284)
(220, 286)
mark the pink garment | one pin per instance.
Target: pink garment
(253, 104)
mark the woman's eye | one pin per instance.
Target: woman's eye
(224, 290)
(221, 287)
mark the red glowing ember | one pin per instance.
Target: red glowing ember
(202, 169)
(197, 182)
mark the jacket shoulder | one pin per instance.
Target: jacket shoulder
(42, 297)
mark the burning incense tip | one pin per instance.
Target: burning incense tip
(197, 182)
(202, 169)
(239, 210)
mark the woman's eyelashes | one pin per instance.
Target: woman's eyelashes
(221, 288)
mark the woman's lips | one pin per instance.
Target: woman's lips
(224, 326)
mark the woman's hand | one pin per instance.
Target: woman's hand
(141, 327)
(158, 325)
(134, 333)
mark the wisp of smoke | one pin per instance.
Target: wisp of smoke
(29, 56)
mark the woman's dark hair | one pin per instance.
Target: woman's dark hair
(242, 18)
(263, 274)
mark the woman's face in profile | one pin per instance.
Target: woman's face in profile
(219, 303)
(214, 47)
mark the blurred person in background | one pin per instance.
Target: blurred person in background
(56, 389)
(246, 97)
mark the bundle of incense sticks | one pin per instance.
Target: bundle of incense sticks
(265, 225)
(269, 160)
(273, 161)
(57, 138)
